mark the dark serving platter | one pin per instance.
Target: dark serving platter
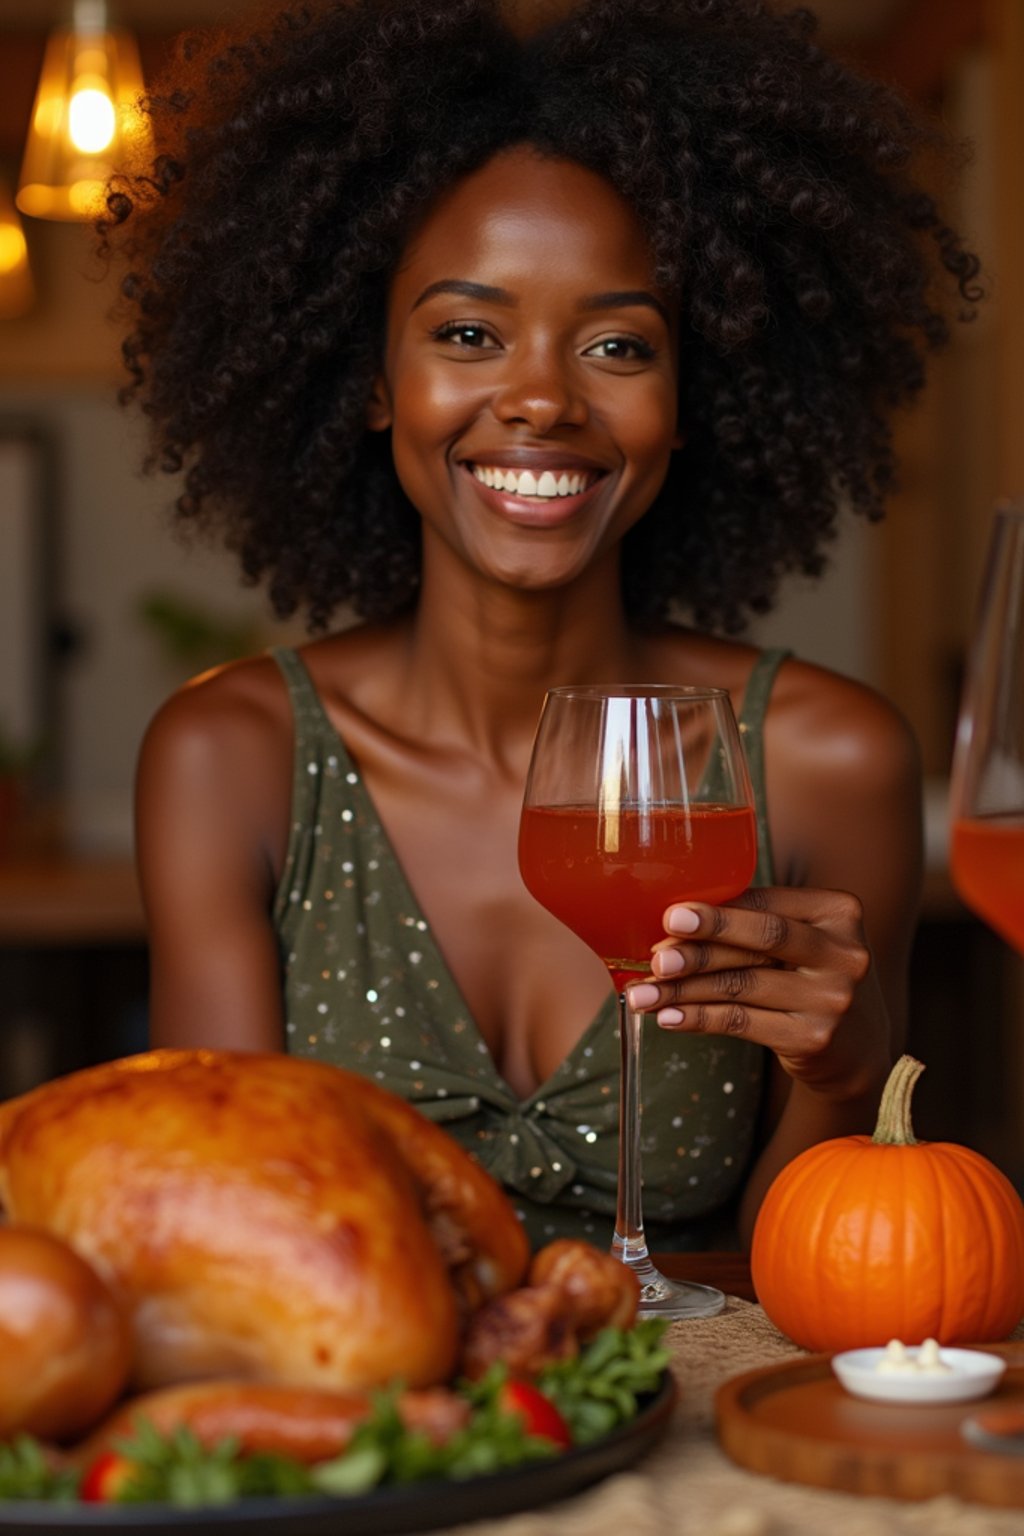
(426, 1506)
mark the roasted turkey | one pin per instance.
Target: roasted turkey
(263, 1217)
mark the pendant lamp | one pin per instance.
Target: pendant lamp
(86, 121)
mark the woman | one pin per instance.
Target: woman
(514, 345)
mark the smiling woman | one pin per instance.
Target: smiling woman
(514, 344)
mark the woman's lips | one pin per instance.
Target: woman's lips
(549, 511)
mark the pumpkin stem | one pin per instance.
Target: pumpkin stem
(894, 1128)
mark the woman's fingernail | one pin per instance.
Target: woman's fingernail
(667, 962)
(682, 920)
(642, 996)
(671, 1016)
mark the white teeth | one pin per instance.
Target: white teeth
(526, 483)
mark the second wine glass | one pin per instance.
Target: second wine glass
(987, 791)
(637, 797)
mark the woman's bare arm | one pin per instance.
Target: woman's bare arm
(212, 797)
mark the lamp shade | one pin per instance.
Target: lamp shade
(87, 118)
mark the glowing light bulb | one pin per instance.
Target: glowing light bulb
(92, 121)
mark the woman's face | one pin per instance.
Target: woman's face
(530, 370)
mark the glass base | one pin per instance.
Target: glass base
(674, 1299)
(659, 1296)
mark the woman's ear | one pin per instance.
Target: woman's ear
(378, 407)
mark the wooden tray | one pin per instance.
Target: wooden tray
(795, 1422)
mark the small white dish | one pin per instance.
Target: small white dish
(973, 1374)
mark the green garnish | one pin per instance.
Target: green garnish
(25, 1473)
(178, 1469)
(600, 1388)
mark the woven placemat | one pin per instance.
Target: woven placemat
(688, 1487)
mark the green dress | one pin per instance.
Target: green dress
(367, 988)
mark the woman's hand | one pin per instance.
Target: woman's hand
(789, 968)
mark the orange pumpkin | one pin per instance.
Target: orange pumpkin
(869, 1238)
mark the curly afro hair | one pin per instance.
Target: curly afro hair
(294, 163)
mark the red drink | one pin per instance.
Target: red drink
(987, 862)
(610, 877)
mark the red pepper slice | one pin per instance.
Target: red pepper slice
(539, 1415)
(105, 1477)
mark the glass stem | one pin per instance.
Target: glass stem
(629, 1243)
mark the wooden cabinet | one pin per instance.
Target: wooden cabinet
(57, 900)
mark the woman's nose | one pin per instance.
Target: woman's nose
(539, 392)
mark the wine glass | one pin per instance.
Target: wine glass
(987, 788)
(637, 797)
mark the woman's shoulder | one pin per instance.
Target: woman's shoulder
(843, 777)
(241, 704)
(822, 723)
(219, 753)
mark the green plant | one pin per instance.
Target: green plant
(194, 636)
(17, 757)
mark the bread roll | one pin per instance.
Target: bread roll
(64, 1339)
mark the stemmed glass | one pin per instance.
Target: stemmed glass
(637, 797)
(987, 789)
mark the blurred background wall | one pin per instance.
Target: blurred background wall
(119, 612)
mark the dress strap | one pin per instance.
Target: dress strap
(317, 744)
(751, 724)
(312, 722)
(303, 695)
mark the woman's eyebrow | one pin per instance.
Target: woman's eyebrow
(467, 290)
(623, 299)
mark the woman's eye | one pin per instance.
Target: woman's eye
(620, 349)
(461, 334)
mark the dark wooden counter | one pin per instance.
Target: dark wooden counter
(730, 1272)
(52, 899)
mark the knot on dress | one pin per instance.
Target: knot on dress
(524, 1156)
(527, 1147)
